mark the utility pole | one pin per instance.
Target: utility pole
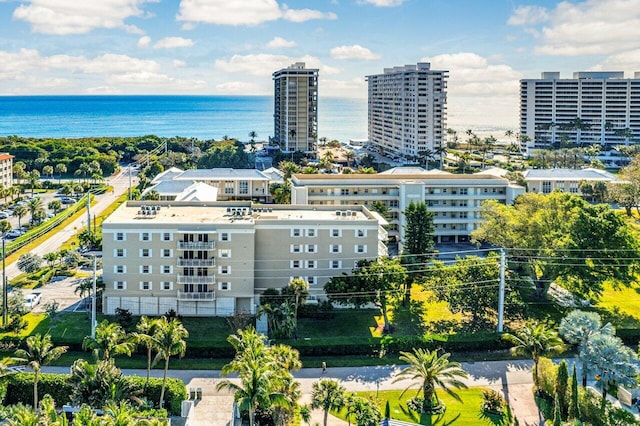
(93, 300)
(5, 293)
(501, 292)
(130, 167)
(89, 212)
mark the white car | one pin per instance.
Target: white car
(32, 300)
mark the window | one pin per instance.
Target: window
(311, 264)
(119, 253)
(296, 232)
(224, 286)
(296, 248)
(145, 285)
(120, 285)
(546, 186)
(145, 269)
(120, 236)
(166, 236)
(228, 187)
(145, 236)
(311, 232)
(167, 253)
(295, 264)
(336, 264)
(166, 285)
(225, 236)
(167, 269)
(464, 191)
(145, 252)
(336, 233)
(312, 248)
(360, 248)
(335, 248)
(312, 280)
(224, 270)
(243, 187)
(361, 233)
(224, 253)
(120, 269)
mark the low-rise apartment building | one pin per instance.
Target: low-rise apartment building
(454, 199)
(545, 181)
(213, 259)
(6, 169)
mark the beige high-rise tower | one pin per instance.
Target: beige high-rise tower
(295, 116)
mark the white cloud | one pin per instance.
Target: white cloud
(144, 41)
(245, 12)
(103, 90)
(279, 42)
(239, 88)
(146, 78)
(172, 42)
(177, 63)
(592, 27)
(108, 63)
(78, 17)
(382, 3)
(339, 85)
(265, 64)
(528, 15)
(624, 61)
(353, 52)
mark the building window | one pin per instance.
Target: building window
(311, 264)
(120, 285)
(243, 187)
(224, 270)
(167, 269)
(119, 253)
(120, 269)
(296, 248)
(224, 286)
(312, 280)
(336, 233)
(167, 253)
(120, 236)
(228, 187)
(224, 253)
(311, 232)
(464, 191)
(312, 248)
(336, 264)
(361, 233)
(145, 285)
(225, 237)
(335, 248)
(546, 186)
(145, 236)
(295, 264)
(166, 285)
(145, 269)
(145, 253)
(166, 236)
(360, 248)
(296, 232)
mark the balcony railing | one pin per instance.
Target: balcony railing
(189, 279)
(196, 245)
(197, 262)
(189, 295)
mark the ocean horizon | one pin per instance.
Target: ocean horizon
(202, 117)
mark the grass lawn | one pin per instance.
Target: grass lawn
(469, 412)
(622, 307)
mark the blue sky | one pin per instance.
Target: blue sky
(233, 46)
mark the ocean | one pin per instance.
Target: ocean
(202, 117)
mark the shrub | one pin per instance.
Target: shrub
(174, 394)
(415, 404)
(492, 402)
(124, 317)
(20, 388)
(547, 372)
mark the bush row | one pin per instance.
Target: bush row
(20, 389)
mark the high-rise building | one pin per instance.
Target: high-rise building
(595, 107)
(407, 109)
(295, 116)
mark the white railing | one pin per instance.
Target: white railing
(196, 245)
(197, 262)
(189, 279)
(194, 295)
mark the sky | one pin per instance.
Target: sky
(231, 47)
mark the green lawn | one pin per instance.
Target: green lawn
(621, 307)
(467, 412)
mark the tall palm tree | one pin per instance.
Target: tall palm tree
(299, 289)
(329, 395)
(40, 351)
(441, 152)
(61, 169)
(169, 336)
(432, 370)
(33, 176)
(35, 206)
(349, 156)
(111, 339)
(146, 336)
(535, 339)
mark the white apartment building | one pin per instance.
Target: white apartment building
(6, 169)
(407, 109)
(545, 181)
(594, 107)
(295, 116)
(213, 259)
(455, 200)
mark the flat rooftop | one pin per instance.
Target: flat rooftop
(189, 212)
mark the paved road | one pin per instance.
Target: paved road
(512, 378)
(64, 295)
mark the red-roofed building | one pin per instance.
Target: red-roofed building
(6, 169)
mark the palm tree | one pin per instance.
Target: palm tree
(146, 336)
(33, 177)
(440, 152)
(40, 351)
(169, 336)
(5, 226)
(35, 206)
(111, 339)
(299, 288)
(535, 339)
(349, 155)
(51, 258)
(432, 370)
(329, 395)
(253, 135)
(61, 169)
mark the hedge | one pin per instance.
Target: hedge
(20, 389)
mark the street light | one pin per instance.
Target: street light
(5, 297)
(95, 255)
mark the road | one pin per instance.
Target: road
(64, 294)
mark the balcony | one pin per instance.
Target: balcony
(194, 295)
(196, 245)
(203, 263)
(193, 279)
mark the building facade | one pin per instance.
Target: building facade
(596, 107)
(213, 259)
(545, 181)
(295, 115)
(455, 200)
(6, 169)
(407, 109)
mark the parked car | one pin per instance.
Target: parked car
(67, 200)
(3, 215)
(32, 300)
